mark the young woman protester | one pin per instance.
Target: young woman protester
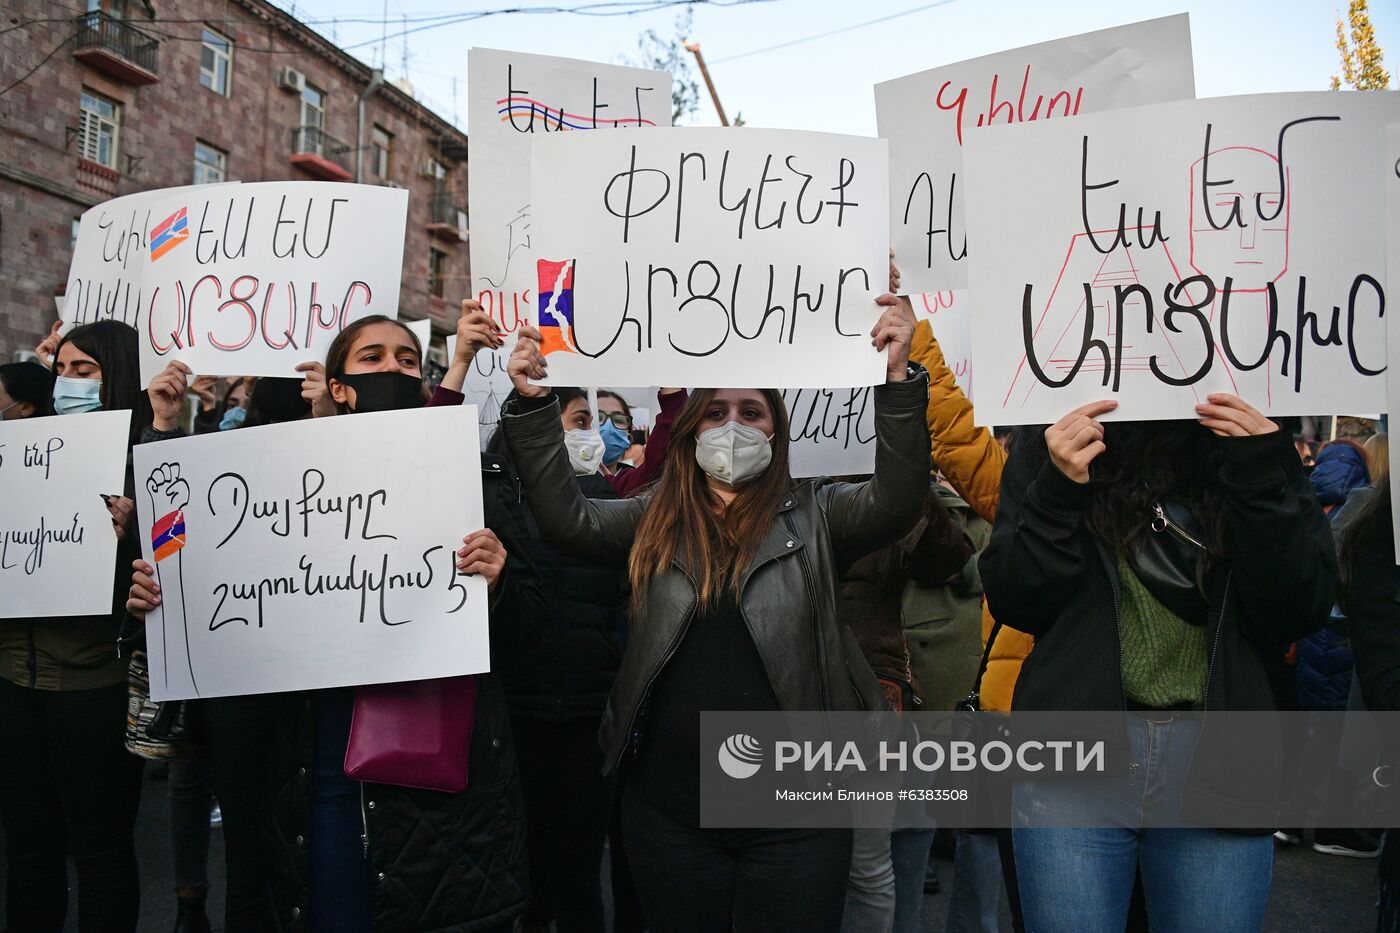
(556, 693)
(228, 757)
(354, 857)
(733, 569)
(1370, 587)
(1125, 617)
(68, 786)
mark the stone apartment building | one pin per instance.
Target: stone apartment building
(101, 98)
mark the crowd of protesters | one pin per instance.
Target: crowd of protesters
(637, 580)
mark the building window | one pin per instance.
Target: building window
(210, 164)
(215, 62)
(437, 272)
(436, 169)
(313, 107)
(98, 125)
(380, 144)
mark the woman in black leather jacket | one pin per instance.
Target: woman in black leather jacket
(733, 568)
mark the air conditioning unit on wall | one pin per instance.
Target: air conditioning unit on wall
(289, 79)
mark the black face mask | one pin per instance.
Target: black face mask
(384, 391)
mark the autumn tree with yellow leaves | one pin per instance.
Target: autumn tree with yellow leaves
(1363, 61)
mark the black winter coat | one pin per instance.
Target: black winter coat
(1047, 575)
(570, 673)
(1373, 613)
(438, 862)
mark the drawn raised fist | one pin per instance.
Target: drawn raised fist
(165, 483)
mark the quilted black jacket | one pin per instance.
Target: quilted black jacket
(438, 862)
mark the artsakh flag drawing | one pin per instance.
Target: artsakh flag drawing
(168, 534)
(555, 295)
(169, 233)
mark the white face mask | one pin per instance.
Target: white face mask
(733, 453)
(585, 450)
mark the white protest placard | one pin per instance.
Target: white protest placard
(255, 279)
(487, 385)
(109, 257)
(831, 432)
(1157, 254)
(928, 116)
(1391, 173)
(512, 99)
(710, 257)
(313, 554)
(58, 549)
(949, 314)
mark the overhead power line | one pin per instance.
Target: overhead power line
(833, 32)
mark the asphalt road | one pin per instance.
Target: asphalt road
(1311, 892)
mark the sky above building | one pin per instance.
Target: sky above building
(812, 64)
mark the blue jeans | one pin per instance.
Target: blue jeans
(909, 852)
(976, 897)
(1081, 879)
(339, 898)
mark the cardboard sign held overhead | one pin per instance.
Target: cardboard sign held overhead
(58, 549)
(513, 99)
(1158, 254)
(928, 116)
(711, 257)
(313, 554)
(255, 279)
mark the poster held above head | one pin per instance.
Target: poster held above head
(486, 386)
(313, 554)
(255, 279)
(1154, 255)
(514, 98)
(58, 549)
(109, 258)
(927, 118)
(710, 257)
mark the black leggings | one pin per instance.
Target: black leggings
(694, 880)
(239, 738)
(68, 786)
(567, 805)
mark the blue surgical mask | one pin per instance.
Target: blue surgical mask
(615, 442)
(75, 396)
(7, 408)
(233, 418)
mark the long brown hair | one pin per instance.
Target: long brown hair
(687, 521)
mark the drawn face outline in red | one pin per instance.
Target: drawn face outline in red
(1253, 252)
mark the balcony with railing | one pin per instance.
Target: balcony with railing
(318, 153)
(447, 220)
(116, 49)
